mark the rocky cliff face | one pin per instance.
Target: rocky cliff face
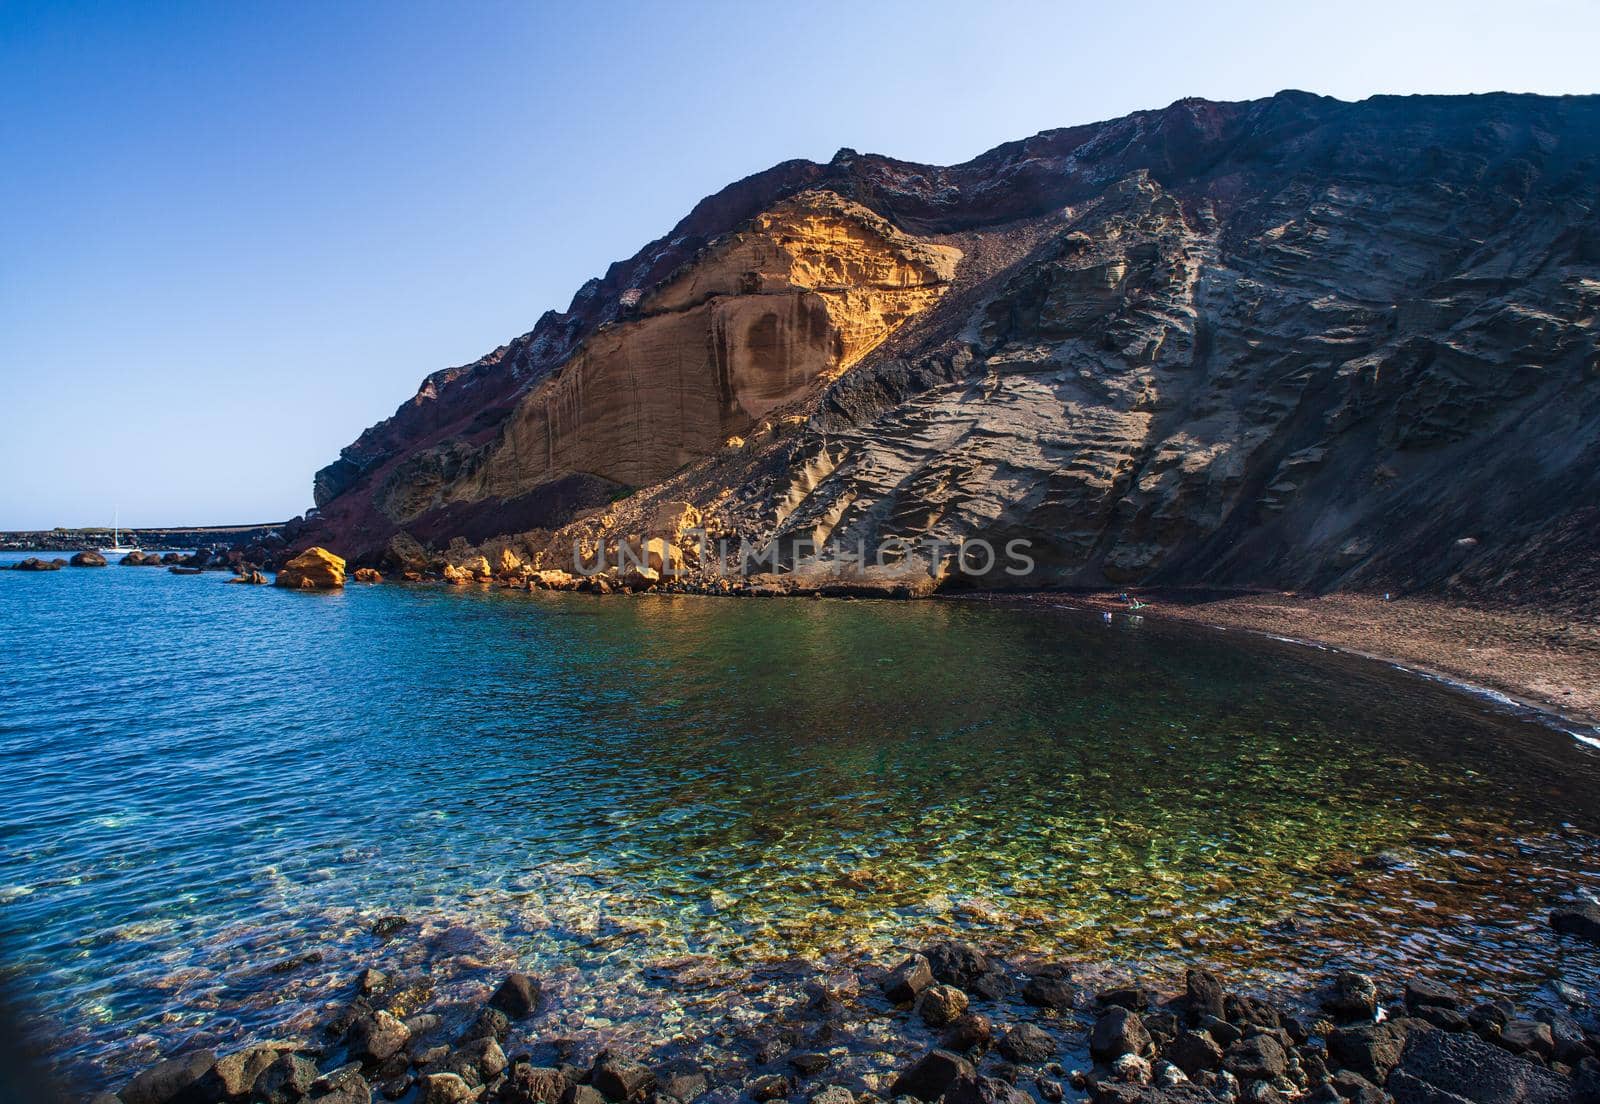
(1294, 342)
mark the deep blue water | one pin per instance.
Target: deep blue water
(213, 790)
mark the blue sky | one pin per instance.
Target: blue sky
(232, 235)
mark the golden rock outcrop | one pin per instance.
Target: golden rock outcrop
(802, 293)
(313, 569)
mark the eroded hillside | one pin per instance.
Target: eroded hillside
(1294, 342)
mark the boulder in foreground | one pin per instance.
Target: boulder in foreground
(313, 569)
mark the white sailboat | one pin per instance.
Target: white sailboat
(116, 548)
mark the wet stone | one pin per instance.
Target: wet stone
(285, 1081)
(1119, 1032)
(685, 1085)
(1423, 993)
(165, 1081)
(446, 1088)
(1255, 1057)
(971, 1031)
(369, 981)
(518, 996)
(956, 962)
(907, 980)
(1194, 1052)
(386, 926)
(1528, 1036)
(1352, 996)
(582, 1094)
(930, 1075)
(1203, 995)
(940, 1005)
(490, 1024)
(529, 1084)
(1132, 997)
(834, 1094)
(620, 1079)
(1221, 1030)
(1371, 1050)
(774, 1086)
(233, 1075)
(374, 1038)
(805, 1062)
(969, 1088)
(1051, 987)
(1027, 1045)
(1583, 922)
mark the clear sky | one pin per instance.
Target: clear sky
(232, 235)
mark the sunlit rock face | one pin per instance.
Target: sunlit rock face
(805, 291)
(1293, 342)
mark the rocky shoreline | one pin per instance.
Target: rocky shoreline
(950, 1023)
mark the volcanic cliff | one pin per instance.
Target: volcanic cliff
(1294, 342)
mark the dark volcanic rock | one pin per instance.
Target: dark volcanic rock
(971, 1031)
(1583, 922)
(974, 1089)
(1027, 1045)
(1422, 993)
(931, 1074)
(285, 1081)
(619, 1078)
(1119, 1031)
(1371, 1050)
(955, 962)
(517, 997)
(905, 981)
(939, 1005)
(1195, 1052)
(88, 559)
(166, 1082)
(1203, 995)
(1352, 996)
(1440, 1062)
(1051, 987)
(1256, 1056)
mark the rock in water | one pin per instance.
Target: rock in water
(367, 575)
(517, 997)
(931, 1075)
(905, 981)
(313, 569)
(168, 1081)
(88, 558)
(1583, 922)
(34, 563)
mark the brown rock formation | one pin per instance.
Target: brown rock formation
(87, 558)
(1294, 342)
(313, 569)
(368, 575)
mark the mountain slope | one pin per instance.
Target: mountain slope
(1293, 342)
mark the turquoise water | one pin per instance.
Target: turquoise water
(214, 790)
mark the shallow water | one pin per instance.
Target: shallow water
(646, 799)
